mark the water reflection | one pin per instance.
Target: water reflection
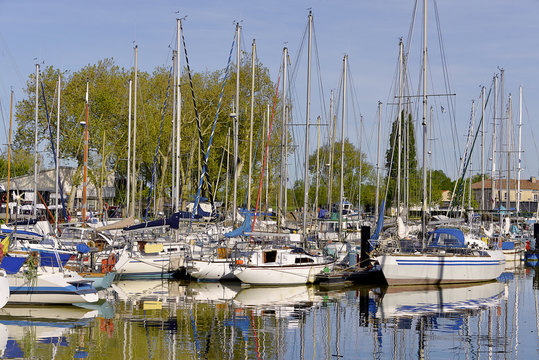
(181, 320)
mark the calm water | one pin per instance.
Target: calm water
(174, 320)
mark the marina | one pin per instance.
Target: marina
(239, 199)
(185, 320)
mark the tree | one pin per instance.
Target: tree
(353, 162)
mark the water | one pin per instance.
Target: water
(175, 320)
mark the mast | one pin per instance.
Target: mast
(341, 193)
(519, 147)
(134, 170)
(399, 129)
(360, 166)
(57, 149)
(430, 159)
(331, 152)
(470, 166)
(508, 147)
(237, 111)
(424, 124)
(284, 134)
(501, 146)
(227, 168)
(482, 150)
(35, 141)
(267, 163)
(317, 164)
(175, 53)
(129, 213)
(85, 176)
(9, 160)
(251, 136)
(307, 123)
(178, 116)
(493, 169)
(377, 197)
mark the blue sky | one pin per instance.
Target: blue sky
(480, 36)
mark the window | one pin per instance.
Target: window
(303, 260)
(535, 197)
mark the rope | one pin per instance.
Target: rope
(206, 155)
(266, 154)
(53, 146)
(205, 172)
(158, 144)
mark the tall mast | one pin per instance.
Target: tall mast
(482, 150)
(331, 150)
(237, 111)
(508, 147)
(178, 116)
(360, 164)
(9, 160)
(57, 148)
(173, 145)
(267, 163)
(284, 134)
(493, 169)
(285, 205)
(129, 213)
(377, 197)
(424, 124)
(35, 141)
(500, 173)
(519, 147)
(343, 123)
(399, 128)
(470, 166)
(253, 54)
(307, 123)
(134, 169)
(317, 163)
(85, 177)
(430, 159)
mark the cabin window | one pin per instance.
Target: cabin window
(171, 249)
(270, 256)
(304, 260)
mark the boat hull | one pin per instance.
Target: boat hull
(50, 289)
(147, 267)
(412, 269)
(4, 290)
(211, 270)
(280, 275)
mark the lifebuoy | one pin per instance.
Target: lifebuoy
(105, 206)
(4, 197)
(91, 243)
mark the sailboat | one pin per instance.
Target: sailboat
(445, 258)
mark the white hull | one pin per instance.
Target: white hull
(50, 288)
(513, 255)
(279, 275)
(4, 290)
(213, 270)
(145, 266)
(418, 269)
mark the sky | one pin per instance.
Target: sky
(480, 37)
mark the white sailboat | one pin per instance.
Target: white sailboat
(281, 266)
(446, 258)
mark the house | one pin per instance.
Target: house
(529, 194)
(46, 187)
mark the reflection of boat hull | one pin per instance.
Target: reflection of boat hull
(279, 275)
(513, 255)
(216, 269)
(421, 300)
(438, 269)
(267, 296)
(213, 291)
(51, 288)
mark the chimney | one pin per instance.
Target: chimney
(533, 180)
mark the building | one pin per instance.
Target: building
(46, 187)
(529, 194)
